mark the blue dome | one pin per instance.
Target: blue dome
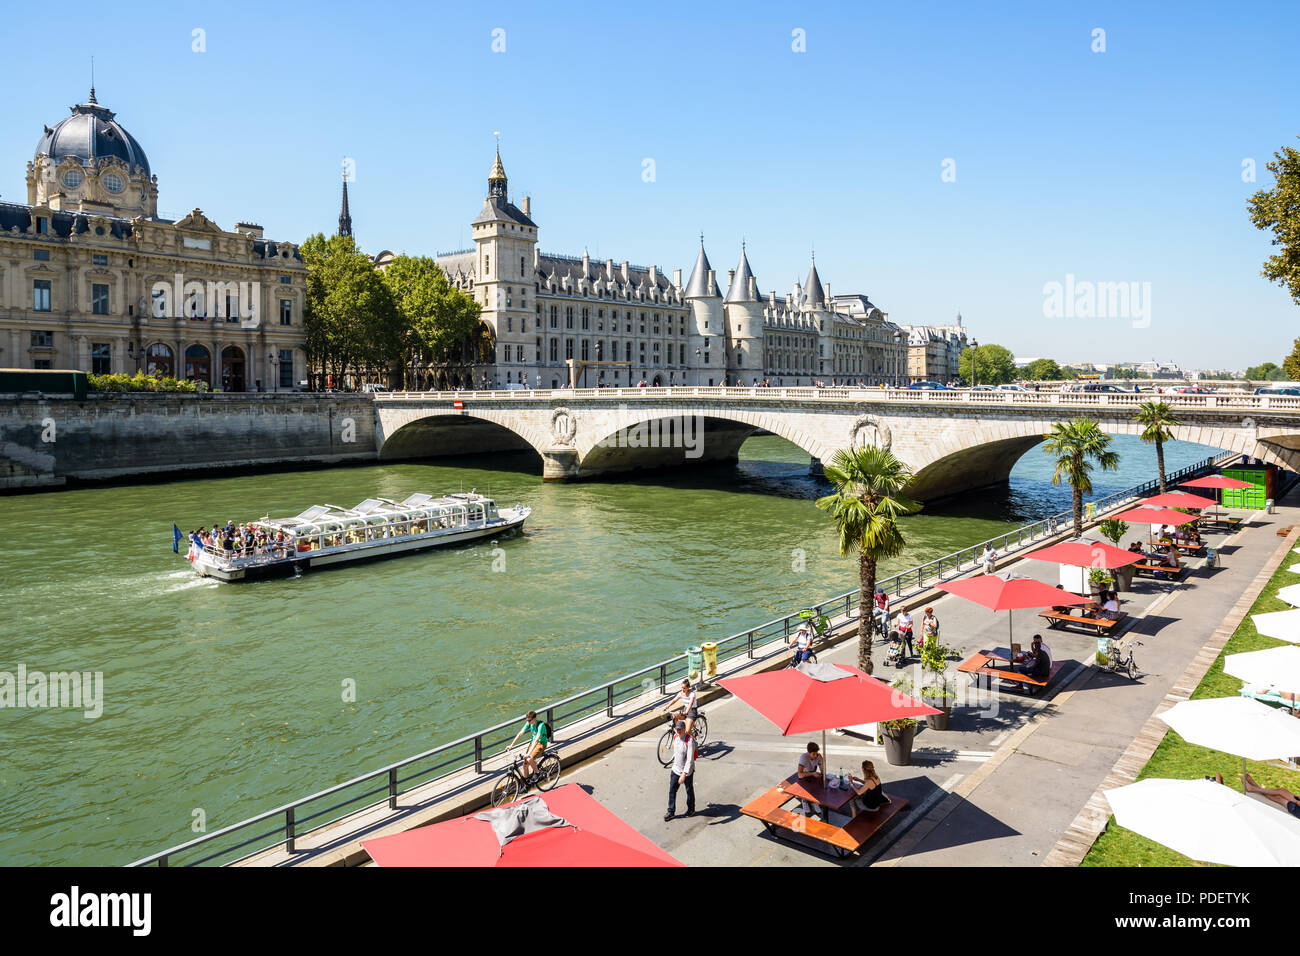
(91, 133)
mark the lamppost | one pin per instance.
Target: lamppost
(273, 364)
(974, 353)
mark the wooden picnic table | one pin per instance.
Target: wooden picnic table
(986, 662)
(769, 809)
(816, 790)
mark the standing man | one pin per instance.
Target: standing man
(989, 557)
(682, 771)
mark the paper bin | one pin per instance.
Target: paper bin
(694, 660)
(710, 651)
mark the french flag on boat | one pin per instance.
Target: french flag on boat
(176, 539)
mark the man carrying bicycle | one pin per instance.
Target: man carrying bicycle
(541, 736)
(689, 703)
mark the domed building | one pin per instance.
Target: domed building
(93, 279)
(88, 162)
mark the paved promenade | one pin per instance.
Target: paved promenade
(999, 787)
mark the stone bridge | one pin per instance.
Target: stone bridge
(954, 441)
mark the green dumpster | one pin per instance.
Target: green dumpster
(1103, 651)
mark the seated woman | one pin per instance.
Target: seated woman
(869, 794)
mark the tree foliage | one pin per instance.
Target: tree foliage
(1269, 371)
(1291, 364)
(1278, 210)
(866, 506)
(992, 365)
(1043, 370)
(1078, 445)
(1158, 422)
(384, 325)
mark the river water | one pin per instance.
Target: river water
(227, 699)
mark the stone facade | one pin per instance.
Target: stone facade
(934, 352)
(84, 264)
(560, 320)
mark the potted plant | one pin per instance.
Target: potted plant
(1099, 579)
(936, 691)
(898, 735)
(1113, 530)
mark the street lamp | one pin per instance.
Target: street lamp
(273, 364)
(974, 373)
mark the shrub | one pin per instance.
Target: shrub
(140, 382)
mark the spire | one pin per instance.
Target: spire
(702, 283)
(739, 290)
(92, 82)
(814, 297)
(497, 178)
(345, 217)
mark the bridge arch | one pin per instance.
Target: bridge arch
(979, 457)
(425, 433)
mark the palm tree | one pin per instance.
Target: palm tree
(1077, 444)
(866, 506)
(1157, 421)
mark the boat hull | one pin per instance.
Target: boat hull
(354, 553)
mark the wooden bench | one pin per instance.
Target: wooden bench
(1143, 567)
(769, 810)
(1102, 625)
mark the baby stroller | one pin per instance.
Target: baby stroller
(894, 656)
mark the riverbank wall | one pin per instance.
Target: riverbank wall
(48, 441)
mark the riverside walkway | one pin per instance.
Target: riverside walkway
(999, 788)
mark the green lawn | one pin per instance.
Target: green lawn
(1177, 758)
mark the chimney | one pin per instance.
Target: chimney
(753, 288)
(528, 206)
(677, 278)
(731, 274)
(609, 269)
(713, 278)
(830, 303)
(654, 275)
(586, 264)
(254, 230)
(627, 275)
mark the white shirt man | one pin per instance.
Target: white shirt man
(682, 771)
(988, 558)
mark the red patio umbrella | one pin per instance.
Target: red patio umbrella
(1156, 516)
(1009, 594)
(598, 837)
(1217, 482)
(1086, 554)
(799, 704)
(1178, 499)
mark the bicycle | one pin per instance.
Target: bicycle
(700, 732)
(513, 784)
(1120, 660)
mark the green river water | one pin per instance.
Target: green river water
(227, 698)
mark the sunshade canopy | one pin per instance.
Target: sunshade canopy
(1283, 625)
(1156, 516)
(1178, 499)
(1290, 594)
(1236, 725)
(1215, 481)
(1277, 667)
(1087, 554)
(799, 703)
(1208, 821)
(597, 837)
(1002, 594)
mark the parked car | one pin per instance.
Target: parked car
(983, 388)
(1194, 390)
(1278, 390)
(1012, 387)
(934, 386)
(374, 387)
(1093, 387)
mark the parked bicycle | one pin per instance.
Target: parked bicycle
(700, 732)
(513, 784)
(1120, 660)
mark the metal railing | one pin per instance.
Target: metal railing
(287, 824)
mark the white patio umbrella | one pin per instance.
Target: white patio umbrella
(1236, 725)
(1208, 821)
(1284, 625)
(1277, 667)
(1290, 594)
(1294, 569)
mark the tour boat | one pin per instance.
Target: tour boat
(326, 535)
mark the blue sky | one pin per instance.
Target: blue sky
(1115, 166)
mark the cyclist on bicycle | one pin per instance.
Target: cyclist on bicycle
(802, 643)
(541, 736)
(689, 703)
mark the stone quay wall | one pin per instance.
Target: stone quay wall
(46, 441)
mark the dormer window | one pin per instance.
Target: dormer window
(73, 178)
